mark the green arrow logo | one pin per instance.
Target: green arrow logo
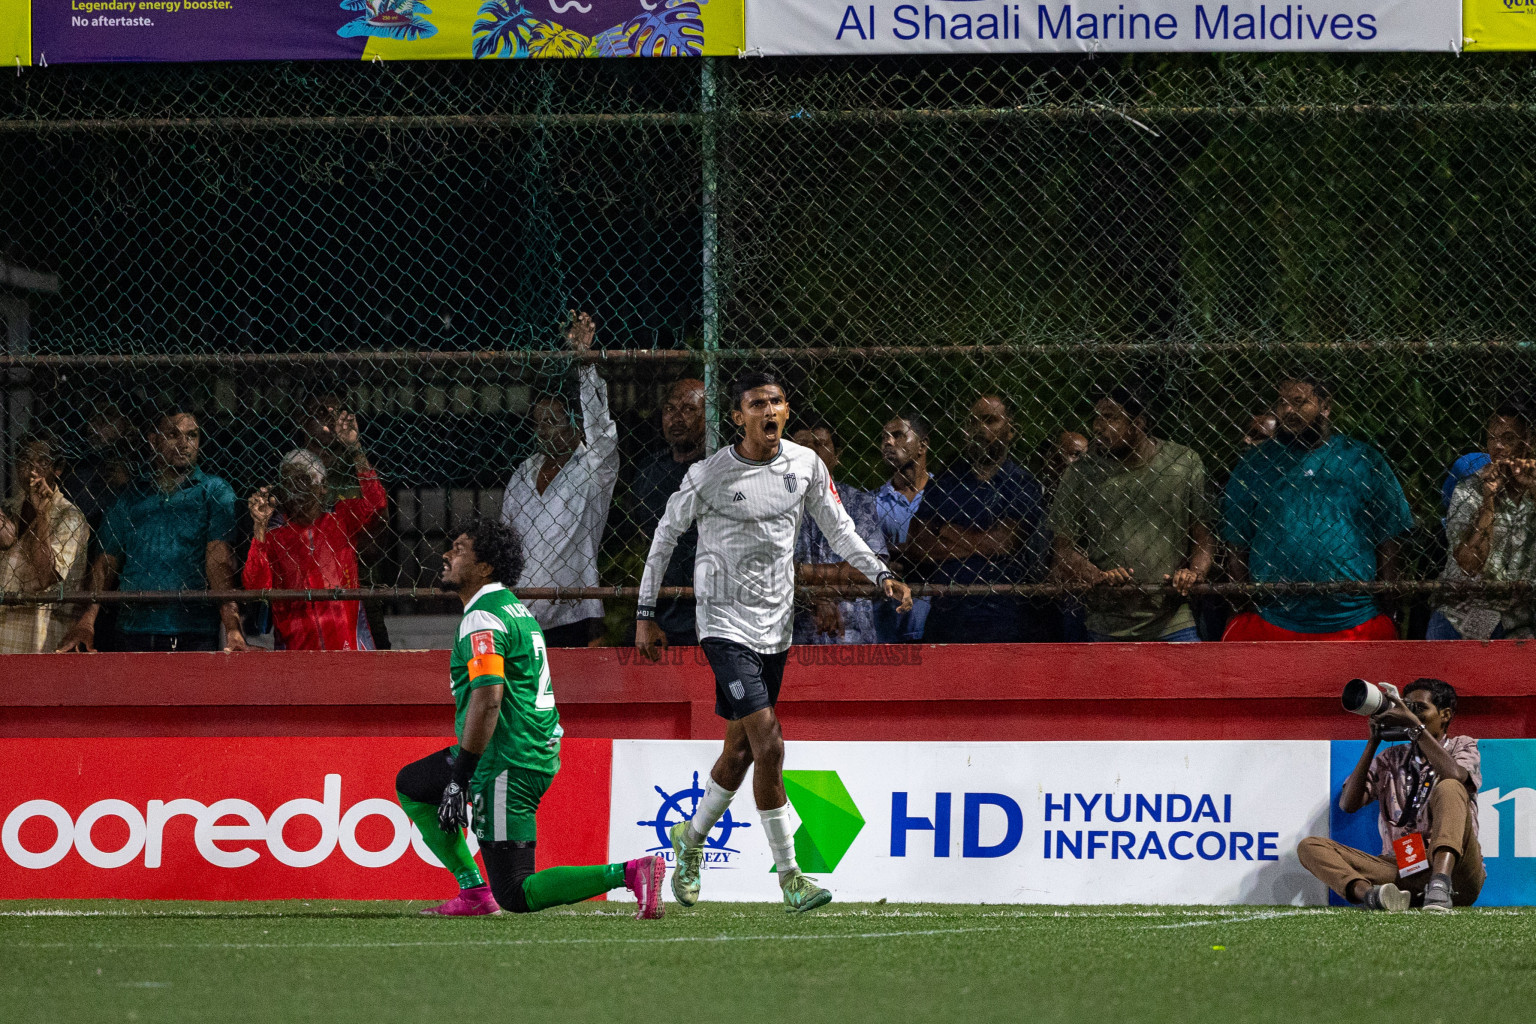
(829, 819)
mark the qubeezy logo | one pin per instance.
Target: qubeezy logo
(829, 819)
(717, 851)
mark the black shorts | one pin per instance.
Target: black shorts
(745, 681)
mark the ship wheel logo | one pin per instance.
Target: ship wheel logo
(682, 806)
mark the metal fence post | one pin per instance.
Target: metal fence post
(710, 284)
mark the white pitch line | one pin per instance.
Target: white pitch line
(1235, 919)
(153, 915)
(1041, 911)
(503, 942)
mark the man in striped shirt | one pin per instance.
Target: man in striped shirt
(748, 500)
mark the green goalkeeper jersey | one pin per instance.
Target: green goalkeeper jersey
(500, 642)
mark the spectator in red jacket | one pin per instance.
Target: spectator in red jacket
(314, 548)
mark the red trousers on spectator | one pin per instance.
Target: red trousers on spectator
(1249, 626)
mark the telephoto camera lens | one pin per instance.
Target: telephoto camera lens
(1363, 698)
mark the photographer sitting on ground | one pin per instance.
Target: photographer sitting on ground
(1427, 786)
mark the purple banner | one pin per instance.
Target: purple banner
(157, 30)
(66, 31)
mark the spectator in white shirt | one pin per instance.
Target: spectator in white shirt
(558, 500)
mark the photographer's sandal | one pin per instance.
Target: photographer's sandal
(1386, 897)
(1437, 895)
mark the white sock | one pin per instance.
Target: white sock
(781, 840)
(716, 799)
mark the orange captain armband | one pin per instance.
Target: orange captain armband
(486, 661)
(487, 665)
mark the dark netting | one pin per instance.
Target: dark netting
(269, 247)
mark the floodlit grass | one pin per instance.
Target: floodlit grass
(379, 962)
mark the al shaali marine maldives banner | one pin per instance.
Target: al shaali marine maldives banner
(73, 31)
(785, 27)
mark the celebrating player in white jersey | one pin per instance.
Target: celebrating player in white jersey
(748, 500)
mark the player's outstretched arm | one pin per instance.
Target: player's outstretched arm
(597, 423)
(838, 527)
(682, 510)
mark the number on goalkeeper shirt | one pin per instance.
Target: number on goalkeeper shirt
(545, 699)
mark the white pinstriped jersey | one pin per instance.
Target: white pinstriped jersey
(749, 516)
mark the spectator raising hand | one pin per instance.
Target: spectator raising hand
(1489, 530)
(42, 545)
(263, 505)
(314, 548)
(558, 499)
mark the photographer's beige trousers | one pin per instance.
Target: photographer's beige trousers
(1450, 827)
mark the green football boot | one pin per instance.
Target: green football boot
(802, 894)
(689, 862)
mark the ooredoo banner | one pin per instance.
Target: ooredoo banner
(783, 27)
(230, 819)
(1183, 822)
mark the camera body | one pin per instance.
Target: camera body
(1368, 700)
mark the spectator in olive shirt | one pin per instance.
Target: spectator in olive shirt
(1313, 506)
(169, 530)
(682, 427)
(1134, 512)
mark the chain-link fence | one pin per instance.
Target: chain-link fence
(273, 247)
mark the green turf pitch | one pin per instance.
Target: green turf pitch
(379, 962)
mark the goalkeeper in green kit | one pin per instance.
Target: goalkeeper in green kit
(508, 750)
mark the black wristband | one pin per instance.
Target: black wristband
(646, 612)
(464, 767)
(882, 577)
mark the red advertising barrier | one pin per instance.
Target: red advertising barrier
(237, 819)
(963, 692)
(159, 743)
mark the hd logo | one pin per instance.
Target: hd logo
(1506, 817)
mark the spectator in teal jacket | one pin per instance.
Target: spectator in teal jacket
(169, 530)
(1312, 505)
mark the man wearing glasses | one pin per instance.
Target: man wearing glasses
(1427, 789)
